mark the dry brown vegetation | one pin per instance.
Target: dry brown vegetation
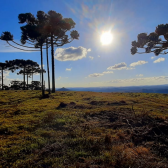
(83, 130)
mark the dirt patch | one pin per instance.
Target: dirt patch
(114, 103)
(88, 98)
(81, 106)
(98, 102)
(62, 105)
(72, 103)
(117, 103)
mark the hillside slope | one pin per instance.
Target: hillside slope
(83, 129)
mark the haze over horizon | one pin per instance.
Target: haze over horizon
(90, 61)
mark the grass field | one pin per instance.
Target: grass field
(83, 130)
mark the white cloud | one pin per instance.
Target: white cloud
(91, 57)
(138, 63)
(130, 68)
(99, 56)
(119, 66)
(159, 60)
(68, 69)
(70, 54)
(96, 75)
(140, 75)
(107, 72)
(89, 50)
(6, 73)
(6, 78)
(152, 57)
(133, 81)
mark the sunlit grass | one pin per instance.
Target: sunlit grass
(89, 128)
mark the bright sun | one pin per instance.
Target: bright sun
(106, 38)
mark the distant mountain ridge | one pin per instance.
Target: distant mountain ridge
(63, 89)
(141, 89)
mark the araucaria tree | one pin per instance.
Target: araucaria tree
(21, 64)
(33, 32)
(45, 30)
(55, 28)
(152, 42)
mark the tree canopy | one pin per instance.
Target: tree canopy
(152, 42)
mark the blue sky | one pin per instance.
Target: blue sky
(86, 62)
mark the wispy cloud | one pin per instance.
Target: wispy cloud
(96, 75)
(98, 56)
(107, 72)
(100, 74)
(138, 63)
(119, 66)
(159, 60)
(140, 75)
(89, 50)
(68, 69)
(152, 57)
(91, 57)
(70, 54)
(144, 80)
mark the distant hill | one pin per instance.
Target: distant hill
(63, 89)
(140, 89)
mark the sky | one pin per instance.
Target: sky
(87, 62)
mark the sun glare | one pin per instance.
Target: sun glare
(106, 38)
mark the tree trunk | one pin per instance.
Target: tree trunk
(42, 69)
(27, 81)
(24, 78)
(32, 78)
(48, 66)
(2, 78)
(40, 76)
(53, 68)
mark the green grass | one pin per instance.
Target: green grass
(92, 129)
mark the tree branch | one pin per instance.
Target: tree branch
(20, 48)
(22, 45)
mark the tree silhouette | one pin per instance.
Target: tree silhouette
(31, 33)
(152, 42)
(27, 72)
(21, 64)
(3, 66)
(16, 85)
(30, 71)
(56, 28)
(36, 85)
(48, 28)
